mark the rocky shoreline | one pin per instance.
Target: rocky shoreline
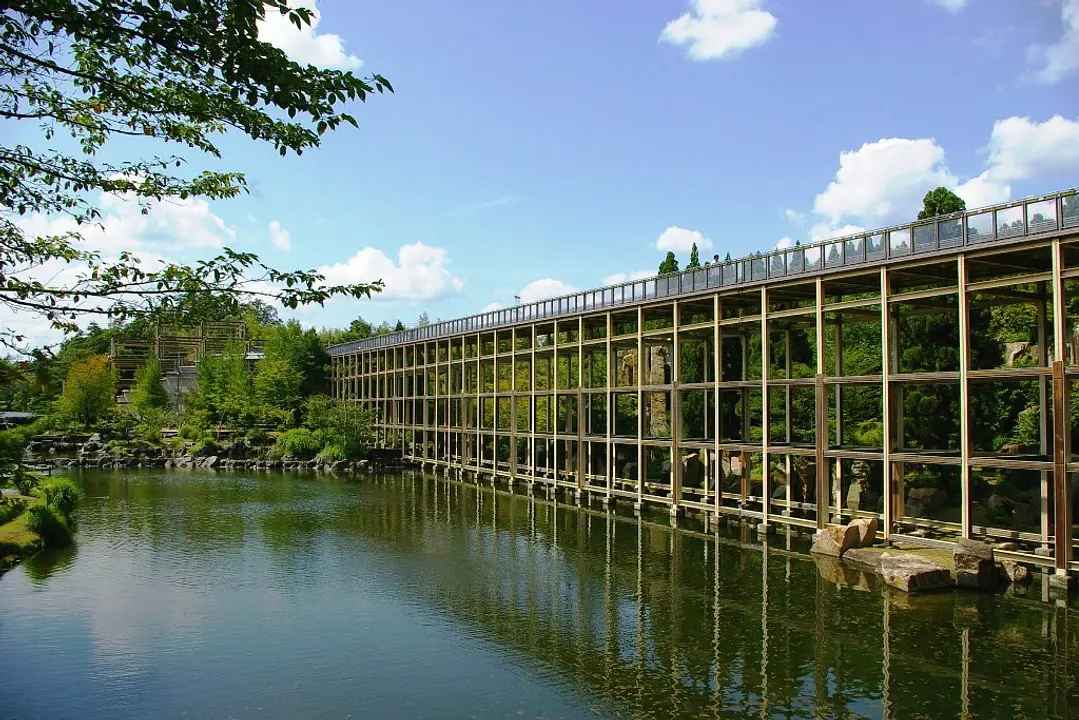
(972, 565)
(92, 451)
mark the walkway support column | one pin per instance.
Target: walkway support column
(1061, 421)
(822, 413)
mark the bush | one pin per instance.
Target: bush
(10, 511)
(25, 481)
(298, 443)
(190, 432)
(61, 495)
(205, 447)
(331, 453)
(257, 437)
(46, 522)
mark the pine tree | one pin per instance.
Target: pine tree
(669, 264)
(694, 258)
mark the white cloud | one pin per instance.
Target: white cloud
(491, 307)
(306, 45)
(1061, 58)
(619, 278)
(951, 5)
(784, 243)
(279, 236)
(884, 182)
(420, 272)
(169, 229)
(1020, 149)
(543, 289)
(714, 29)
(681, 240)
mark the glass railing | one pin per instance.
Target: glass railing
(1021, 218)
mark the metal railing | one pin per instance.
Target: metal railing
(1007, 221)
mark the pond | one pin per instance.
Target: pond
(277, 596)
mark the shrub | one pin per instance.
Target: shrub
(61, 495)
(46, 522)
(331, 453)
(298, 443)
(190, 432)
(26, 482)
(257, 437)
(205, 447)
(10, 511)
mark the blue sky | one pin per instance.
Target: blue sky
(532, 147)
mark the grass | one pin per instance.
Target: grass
(16, 542)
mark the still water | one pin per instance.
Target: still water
(207, 595)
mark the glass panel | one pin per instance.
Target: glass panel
(778, 265)
(1010, 222)
(833, 254)
(950, 232)
(852, 250)
(899, 242)
(925, 238)
(1071, 211)
(795, 261)
(980, 227)
(760, 270)
(1042, 216)
(874, 249)
(813, 257)
(730, 274)
(700, 280)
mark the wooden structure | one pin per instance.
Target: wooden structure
(178, 349)
(789, 387)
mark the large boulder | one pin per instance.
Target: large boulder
(863, 559)
(835, 540)
(867, 530)
(914, 573)
(974, 565)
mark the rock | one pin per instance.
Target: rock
(863, 559)
(835, 540)
(914, 573)
(1014, 572)
(867, 530)
(927, 497)
(974, 566)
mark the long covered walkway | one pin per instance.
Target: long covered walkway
(922, 373)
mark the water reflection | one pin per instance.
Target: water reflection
(660, 624)
(327, 593)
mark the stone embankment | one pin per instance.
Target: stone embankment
(974, 564)
(92, 452)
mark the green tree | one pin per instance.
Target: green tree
(224, 389)
(152, 72)
(149, 392)
(941, 201)
(669, 264)
(89, 390)
(302, 350)
(694, 258)
(399, 326)
(278, 387)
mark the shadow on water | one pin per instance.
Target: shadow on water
(44, 565)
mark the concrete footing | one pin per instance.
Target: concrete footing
(1063, 583)
(638, 507)
(764, 528)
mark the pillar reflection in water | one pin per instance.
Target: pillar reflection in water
(650, 621)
